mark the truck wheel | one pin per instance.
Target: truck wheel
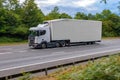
(43, 46)
(63, 44)
(57, 44)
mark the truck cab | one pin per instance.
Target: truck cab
(39, 36)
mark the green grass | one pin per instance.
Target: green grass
(11, 41)
(107, 38)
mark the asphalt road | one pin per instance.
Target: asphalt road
(22, 57)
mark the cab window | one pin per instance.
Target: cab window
(34, 33)
(42, 32)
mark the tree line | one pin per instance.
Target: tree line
(16, 18)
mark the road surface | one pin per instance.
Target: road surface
(19, 58)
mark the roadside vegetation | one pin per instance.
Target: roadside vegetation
(16, 18)
(107, 68)
(6, 41)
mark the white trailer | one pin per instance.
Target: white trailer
(62, 32)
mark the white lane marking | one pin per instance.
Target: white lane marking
(6, 48)
(12, 52)
(32, 50)
(6, 53)
(61, 59)
(58, 52)
(22, 51)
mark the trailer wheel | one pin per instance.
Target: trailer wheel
(92, 42)
(43, 45)
(88, 43)
(68, 43)
(57, 44)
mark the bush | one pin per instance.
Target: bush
(10, 39)
(103, 69)
(26, 76)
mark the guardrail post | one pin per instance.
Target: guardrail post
(73, 63)
(93, 59)
(6, 78)
(46, 72)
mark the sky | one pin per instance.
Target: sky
(72, 6)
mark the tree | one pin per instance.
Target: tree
(105, 14)
(80, 15)
(90, 17)
(16, 18)
(54, 14)
(64, 15)
(111, 26)
(12, 4)
(31, 15)
(9, 21)
(1, 3)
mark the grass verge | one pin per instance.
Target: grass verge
(6, 41)
(107, 68)
(108, 38)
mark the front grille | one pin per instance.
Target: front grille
(31, 40)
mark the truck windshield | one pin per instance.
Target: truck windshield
(37, 32)
(34, 33)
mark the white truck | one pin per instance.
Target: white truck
(63, 32)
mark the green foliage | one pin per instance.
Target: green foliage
(10, 39)
(64, 15)
(16, 18)
(104, 69)
(32, 16)
(26, 76)
(21, 31)
(110, 23)
(80, 15)
(90, 17)
(54, 14)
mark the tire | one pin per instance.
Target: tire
(43, 45)
(63, 44)
(88, 43)
(68, 43)
(92, 43)
(57, 44)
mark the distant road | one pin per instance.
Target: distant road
(19, 58)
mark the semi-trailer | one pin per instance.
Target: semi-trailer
(63, 32)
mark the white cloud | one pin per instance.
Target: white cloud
(46, 3)
(50, 2)
(66, 3)
(84, 3)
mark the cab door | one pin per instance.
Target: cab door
(44, 35)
